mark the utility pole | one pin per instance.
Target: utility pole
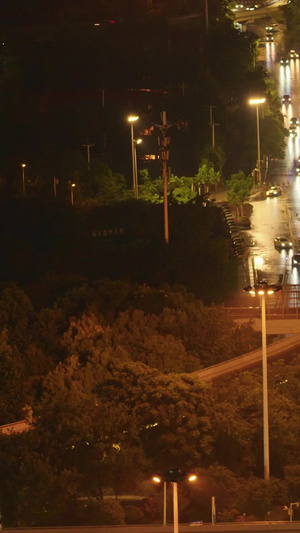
(88, 146)
(206, 15)
(164, 142)
(212, 124)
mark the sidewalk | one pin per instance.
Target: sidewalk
(220, 195)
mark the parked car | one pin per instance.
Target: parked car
(296, 260)
(274, 191)
(283, 243)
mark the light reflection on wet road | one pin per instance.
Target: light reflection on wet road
(280, 216)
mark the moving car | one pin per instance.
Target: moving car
(296, 260)
(294, 121)
(293, 54)
(269, 37)
(298, 170)
(284, 61)
(286, 99)
(274, 191)
(283, 243)
(293, 130)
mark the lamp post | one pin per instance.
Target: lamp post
(72, 194)
(257, 102)
(136, 191)
(23, 177)
(290, 509)
(173, 476)
(262, 289)
(131, 120)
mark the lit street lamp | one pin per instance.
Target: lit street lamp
(23, 177)
(131, 120)
(262, 289)
(72, 194)
(136, 192)
(257, 102)
(173, 476)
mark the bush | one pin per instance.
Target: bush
(133, 514)
(112, 513)
(92, 512)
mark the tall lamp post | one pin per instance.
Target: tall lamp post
(257, 102)
(72, 194)
(23, 177)
(173, 476)
(262, 289)
(136, 191)
(131, 120)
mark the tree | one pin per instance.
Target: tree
(239, 190)
(12, 382)
(257, 496)
(207, 176)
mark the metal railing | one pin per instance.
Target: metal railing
(283, 305)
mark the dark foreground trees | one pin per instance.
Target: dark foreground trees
(106, 373)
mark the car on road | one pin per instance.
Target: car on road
(286, 99)
(283, 243)
(293, 54)
(294, 121)
(269, 37)
(284, 61)
(272, 28)
(274, 191)
(293, 130)
(298, 170)
(296, 260)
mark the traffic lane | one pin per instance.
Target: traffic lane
(269, 219)
(293, 205)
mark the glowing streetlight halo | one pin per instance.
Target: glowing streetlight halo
(257, 101)
(132, 118)
(157, 479)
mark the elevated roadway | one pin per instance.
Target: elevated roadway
(275, 350)
(244, 14)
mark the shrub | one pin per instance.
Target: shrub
(133, 514)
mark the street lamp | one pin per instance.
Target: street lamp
(131, 119)
(72, 195)
(23, 177)
(290, 509)
(262, 289)
(257, 102)
(173, 476)
(136, 192)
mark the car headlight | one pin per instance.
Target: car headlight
(290, 244)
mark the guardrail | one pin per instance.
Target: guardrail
(272, 313)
